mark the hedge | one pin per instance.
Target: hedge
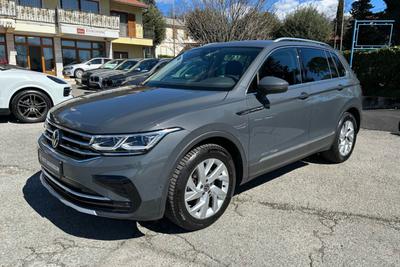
(378, 71)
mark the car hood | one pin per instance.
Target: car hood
(96, 71)
(110, 73)
(130, 110)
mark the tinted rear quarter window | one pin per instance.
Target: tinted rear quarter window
(332, 66)
(315, 65)
(339, 65)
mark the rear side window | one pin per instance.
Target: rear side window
(282, 64)
(332, 66)
(315, 65)
(96, 61)
(339, 65)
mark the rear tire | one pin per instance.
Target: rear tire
(345, 140)
(30, 106)
(196, 201)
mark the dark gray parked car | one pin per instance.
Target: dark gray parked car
(139, 78)
(110, 65)
(144, 67)
(215, 117)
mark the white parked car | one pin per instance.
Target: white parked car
(29, 95)
(76, 70)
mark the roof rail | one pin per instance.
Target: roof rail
(299, 40)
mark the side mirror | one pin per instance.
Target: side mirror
(89, 63)
(272, 85)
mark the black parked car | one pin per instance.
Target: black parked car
(141, 77)
(141, 68)
(112, 64)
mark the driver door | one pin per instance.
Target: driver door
(279, 123)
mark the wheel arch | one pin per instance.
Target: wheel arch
(224, 139)
(357, 115)
(27, 89)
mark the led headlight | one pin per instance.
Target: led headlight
(128, 144)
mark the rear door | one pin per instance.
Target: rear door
(279, 123)
(326, 84)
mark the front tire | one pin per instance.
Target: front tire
(78, 73)
(345, 140)
(30, 106)
(201, 187)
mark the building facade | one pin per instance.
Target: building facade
(45, 35)
(176, 39)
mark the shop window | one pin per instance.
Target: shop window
(3, 50)
(81, 51)
(35, 53)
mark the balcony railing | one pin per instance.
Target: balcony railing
(88, 19)
(36, 14)
(10, 9)
(7, 8)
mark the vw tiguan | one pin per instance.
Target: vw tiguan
(212, 119)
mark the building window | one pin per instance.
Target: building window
(35, 53)
(120, 55)
(32, 3)
(91, 6)
(3, 50)
(81, 51)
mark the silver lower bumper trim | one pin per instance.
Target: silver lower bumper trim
(63, 200)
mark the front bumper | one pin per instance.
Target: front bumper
(68, 72)
(126, 187)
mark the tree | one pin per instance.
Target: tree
(210, 21)
(153, 21)
(339, 27)
(306, 22)
(392, 11)
(361, 9)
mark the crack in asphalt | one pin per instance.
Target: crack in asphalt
(329, 219)
(61, 245)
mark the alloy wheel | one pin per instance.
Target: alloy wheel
(207, 188)
(346, 138)
(32, 106)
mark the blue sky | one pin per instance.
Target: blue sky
(284, 6)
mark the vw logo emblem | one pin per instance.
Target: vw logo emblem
(56, 138)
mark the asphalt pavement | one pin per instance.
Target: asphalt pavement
(307, 214)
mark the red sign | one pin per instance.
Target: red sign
(80, 31)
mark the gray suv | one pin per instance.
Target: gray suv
(212, 119)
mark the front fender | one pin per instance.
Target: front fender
(190, 141)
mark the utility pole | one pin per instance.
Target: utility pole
(174, 32)
(342, 30)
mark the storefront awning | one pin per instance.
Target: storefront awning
(135, 3)
(7, 23)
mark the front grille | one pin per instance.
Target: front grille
(72, 144)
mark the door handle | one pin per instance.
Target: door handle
(303, 96)
(340, 87)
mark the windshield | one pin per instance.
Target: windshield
(111, 64)
(127, 65)
(206, 68)
(145, 65)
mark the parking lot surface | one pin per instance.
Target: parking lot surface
(308, 213)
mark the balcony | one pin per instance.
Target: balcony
(35, 14)
(88, 19)
(10, 10)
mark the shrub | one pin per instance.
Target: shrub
(378, 71)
